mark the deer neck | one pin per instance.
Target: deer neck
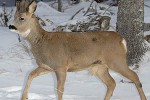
(36, 33)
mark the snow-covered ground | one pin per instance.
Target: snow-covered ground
(16, 63)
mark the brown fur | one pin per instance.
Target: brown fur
(63, 52)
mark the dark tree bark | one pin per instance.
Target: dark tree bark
(98, 1)
(76, 1)
(60, 5)
(130, 25)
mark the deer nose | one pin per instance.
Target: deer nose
(12, 27)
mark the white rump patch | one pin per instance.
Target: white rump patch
(26, 33)
(125, 44)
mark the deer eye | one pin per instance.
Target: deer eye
(21, 18)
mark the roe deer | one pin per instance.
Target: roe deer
(63, 52)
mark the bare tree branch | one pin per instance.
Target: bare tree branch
(88, 8)
(76, 13)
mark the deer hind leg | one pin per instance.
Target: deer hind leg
(124, 70)
(61, 78)
(36, 72)
(128, 73)
(102, 72)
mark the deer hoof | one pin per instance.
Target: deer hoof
(24, 98)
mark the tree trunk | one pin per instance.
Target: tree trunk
(60, 5)
(130, 25)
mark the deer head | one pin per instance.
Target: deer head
(24, 17)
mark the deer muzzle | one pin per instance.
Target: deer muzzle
(12, 27)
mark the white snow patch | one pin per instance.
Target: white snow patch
(11, 89)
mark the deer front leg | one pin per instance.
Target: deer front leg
(36, 72)
(61, 78)
(106, 78)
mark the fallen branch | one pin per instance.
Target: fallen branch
(146, 6)
(42, 21)
(107, 9)
(90, 24)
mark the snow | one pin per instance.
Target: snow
(47, 11)
(16, 63)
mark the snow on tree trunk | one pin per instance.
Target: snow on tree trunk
(130, 21)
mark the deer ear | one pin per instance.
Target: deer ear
(17, 4)
(32, 7)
